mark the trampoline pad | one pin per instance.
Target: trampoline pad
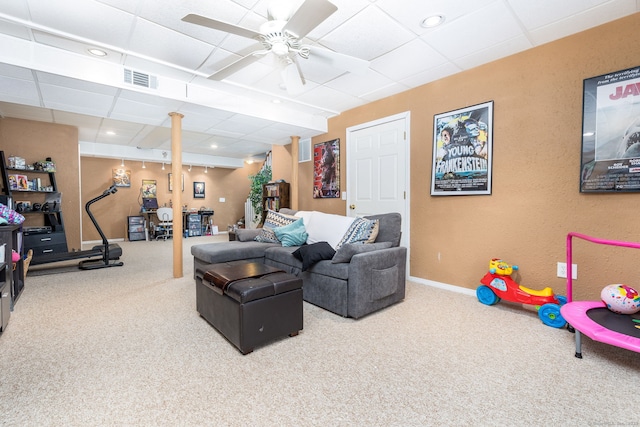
(621, 323)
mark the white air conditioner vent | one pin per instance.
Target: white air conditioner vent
(137, 78)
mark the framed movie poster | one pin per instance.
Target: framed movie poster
(198, 190)
(463, 151)
(171, 182)
(611, 133)
(121, 177)
(326, 169)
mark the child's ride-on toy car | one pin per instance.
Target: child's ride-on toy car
(497, 284)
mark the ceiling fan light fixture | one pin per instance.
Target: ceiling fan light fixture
(280, 48)
(432, 21)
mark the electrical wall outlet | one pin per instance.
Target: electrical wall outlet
(562, 270)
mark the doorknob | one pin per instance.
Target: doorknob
(352, 207)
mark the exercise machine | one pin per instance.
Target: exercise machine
(110, 252)
(100, 256)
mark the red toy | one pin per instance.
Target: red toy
(497, 284)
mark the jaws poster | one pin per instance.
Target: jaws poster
(611, 133)
(462, 151)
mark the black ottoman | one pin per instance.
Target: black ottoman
(248, 302)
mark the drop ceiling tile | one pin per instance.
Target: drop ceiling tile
(446, 39)
(26, 112)
(535, 14)
(13, 90)
(17, 8)
(585, 20)
(384, 92)
(337, 100)
(7, 70)
(433, 74)
(495, 52)
(76, 84)
(175, 48)
(150, 114)
(410, 13)
(87, 19)
(346, 10)
(415, 56)
(78, 120)
(356, 38)
(357, 85)
(15, 30)
(76, 101)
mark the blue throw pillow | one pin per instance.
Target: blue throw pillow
(293, 234)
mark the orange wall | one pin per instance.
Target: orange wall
(112, 211)
(537, 98)
(35, 141)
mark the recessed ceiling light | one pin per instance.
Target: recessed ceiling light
(97, 52)
(276, 101)
(110, 132)
(432, 21)
(214, 146)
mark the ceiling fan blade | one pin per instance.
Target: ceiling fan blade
(293, 79)
(310, 14)
(220, 26)
(238, 65)
(339, 60)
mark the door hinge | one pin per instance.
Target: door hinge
(405, 195)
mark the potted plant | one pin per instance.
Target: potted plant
(255, 193)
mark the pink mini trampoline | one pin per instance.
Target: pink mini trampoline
(593, 318)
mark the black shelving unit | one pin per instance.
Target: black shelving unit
(43, 229)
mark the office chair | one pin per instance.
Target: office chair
(164, 228)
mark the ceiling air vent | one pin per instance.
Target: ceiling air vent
(137, 78)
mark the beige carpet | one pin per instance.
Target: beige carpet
(125, 347)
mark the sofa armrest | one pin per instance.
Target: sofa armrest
(247, 234)
(376, 280)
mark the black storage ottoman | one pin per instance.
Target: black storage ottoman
(249, 303)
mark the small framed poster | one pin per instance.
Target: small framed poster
(463, 151)
(198, 190)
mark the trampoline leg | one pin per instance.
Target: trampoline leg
(578, 345)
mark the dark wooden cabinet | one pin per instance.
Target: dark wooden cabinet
(275, 196)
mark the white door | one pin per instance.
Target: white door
(378, 169)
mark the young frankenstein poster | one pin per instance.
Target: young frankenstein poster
(462, 151)
(611, 133)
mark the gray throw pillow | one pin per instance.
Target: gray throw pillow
(348, 250)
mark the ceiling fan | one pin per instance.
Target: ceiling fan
(281, 36)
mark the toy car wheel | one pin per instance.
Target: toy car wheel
(550, 315)
(561, 299)
(486, 295)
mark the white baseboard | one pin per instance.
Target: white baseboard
(445, 286)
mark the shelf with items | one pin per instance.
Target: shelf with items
(275, 196)
(32, 191)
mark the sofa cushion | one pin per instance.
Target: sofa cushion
(347, 251)
(324, 227)
(310, 254)
(212, 253)
(293, 234)
(326, 268)
(361, 230)
(283, 255)
(390, 229)
(272, 220)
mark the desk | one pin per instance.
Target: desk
(191, 226)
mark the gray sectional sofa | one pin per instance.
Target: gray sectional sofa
(357, 280)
